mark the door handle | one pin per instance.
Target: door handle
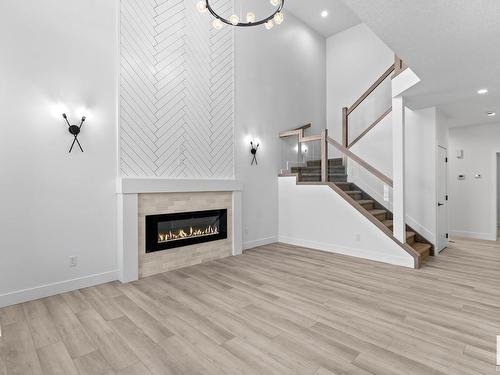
(440, 204)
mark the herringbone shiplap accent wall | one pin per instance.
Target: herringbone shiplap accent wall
(176, 90)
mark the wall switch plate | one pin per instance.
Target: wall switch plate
(73, 261)
(386, 193)
(357, 237)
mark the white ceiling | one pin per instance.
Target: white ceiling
(340, 17)
(453, 46)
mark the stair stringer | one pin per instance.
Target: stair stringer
(320, 215)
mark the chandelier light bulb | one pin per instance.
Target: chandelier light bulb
(201, 6)
(250, 17)
(278, 18)
(245, 19)
(217, 24)
(234, 19)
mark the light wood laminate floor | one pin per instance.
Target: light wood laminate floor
(277, 309)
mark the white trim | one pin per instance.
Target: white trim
(237, 223)
(260, 242)
(495, 222)
(353, 252)
(403, 82)
(59, 287)
(474, 235)
(420, 229)
(136, 185)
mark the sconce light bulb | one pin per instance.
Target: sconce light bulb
(64, 116)
(83, 118)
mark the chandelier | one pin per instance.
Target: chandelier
(276, 18)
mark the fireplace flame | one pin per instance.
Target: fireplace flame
(191, 232)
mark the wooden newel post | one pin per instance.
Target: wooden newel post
(324, 155)
(345, 131)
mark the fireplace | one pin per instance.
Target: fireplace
(168, 231)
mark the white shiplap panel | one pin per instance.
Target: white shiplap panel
(176, 91)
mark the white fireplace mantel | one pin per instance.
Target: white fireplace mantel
(128, 190)
(136, 185)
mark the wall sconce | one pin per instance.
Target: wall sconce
(74, 130)
(253, 151)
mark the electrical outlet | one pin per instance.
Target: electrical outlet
(246, 231)
(73, 261)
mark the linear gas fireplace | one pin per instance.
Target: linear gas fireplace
(167, 231)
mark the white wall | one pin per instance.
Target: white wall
(442, 126)
(420, 164)
(472, 201)
(60, 205)
(279, 85)
(55, 204)
(317, 217)
(356, 58)
(498, 190)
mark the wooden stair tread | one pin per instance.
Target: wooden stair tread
(409, 234)
(353, 192)
(377, 212)
(421, 247)
(388, 223)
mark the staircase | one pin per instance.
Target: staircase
(311, 172)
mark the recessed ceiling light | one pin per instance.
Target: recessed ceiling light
(482, 91)
(491, 114)
(324, 14)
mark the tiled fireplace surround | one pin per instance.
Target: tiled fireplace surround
(138, 197)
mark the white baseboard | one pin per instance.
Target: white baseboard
(47, 290)
(260, 242)
(474, 235)
(357, 253)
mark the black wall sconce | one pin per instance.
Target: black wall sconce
(253, 151)
(74, 130)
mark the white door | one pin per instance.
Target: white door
(442, 199)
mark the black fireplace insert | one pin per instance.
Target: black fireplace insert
(167, 231)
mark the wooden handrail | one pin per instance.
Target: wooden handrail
(361, 162)
(324, 153)
(310, 138)
(377, 83)
(290, 133)
(303, 127)
(370, 127)
(297, 131)
(399, 66)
